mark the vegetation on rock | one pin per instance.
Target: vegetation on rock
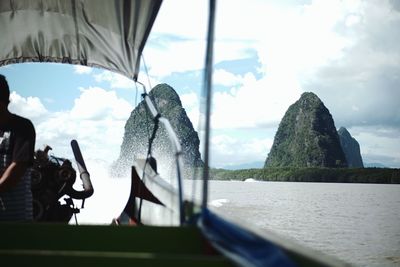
(139, 128)
(306, 137)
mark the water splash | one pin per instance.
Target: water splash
(109, 198)
(217, 203)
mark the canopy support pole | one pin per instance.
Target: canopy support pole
(207, 91)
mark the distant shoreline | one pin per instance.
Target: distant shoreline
(326, 175)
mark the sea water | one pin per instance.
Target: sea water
(358, 223)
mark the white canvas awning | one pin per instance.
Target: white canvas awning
(101, 33)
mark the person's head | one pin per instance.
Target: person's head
(4, 90)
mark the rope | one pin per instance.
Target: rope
(147, 72)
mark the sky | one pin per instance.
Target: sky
(267, 53)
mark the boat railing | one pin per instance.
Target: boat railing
(157, 117)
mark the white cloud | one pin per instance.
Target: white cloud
(181, 55)
(148, 81)
(366, 76)
(378, 144)
(190, 103)
(330, 47)
(297, 41)
(175, 56)
(189, 100)
(251, 104)
(345, 51)
(226, 78)
(291, 43)
(189, 18)
(178, 45)
(95, 103)
(352, 20)
(99, 139)
(79, 69)
(96, 120)
(255, 104)
(228, 150)
(30, 107)
(115, 80)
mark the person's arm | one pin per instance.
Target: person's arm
(22, 155)
(12, 175)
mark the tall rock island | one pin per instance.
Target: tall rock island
(351, 149)
(139, 128)
(306, 137)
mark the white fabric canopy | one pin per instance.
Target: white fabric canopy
(101, 33)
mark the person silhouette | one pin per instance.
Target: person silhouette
(17, 146)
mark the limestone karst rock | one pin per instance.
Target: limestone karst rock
(306, 137)
(140, 126)
(351, 149)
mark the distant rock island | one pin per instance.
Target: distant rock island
(307, 137)
(140, 126)
(351, 149)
